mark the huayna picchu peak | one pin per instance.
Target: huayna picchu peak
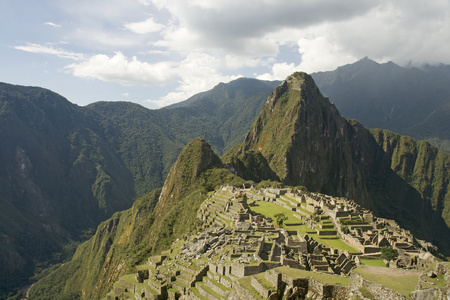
(304, 141)
(310, 204)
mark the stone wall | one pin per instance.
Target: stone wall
(157, 287)
(273, 278)
(239, 292)
(316, 287)
(326, 232)
(130, 287)
(240, 270)
(144, 293)
(336, 291)
(290, 281)
(255, 197)
(379, 291)
(434, 293)
(371, 249)
(225, 281)
(260, 247)
(261, 289)
(291, 263)
(354, 242)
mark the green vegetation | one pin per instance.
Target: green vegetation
(150, 226)
(280, 218)
(389, 253)
(270, 209)
(83, 164)
(401, 281)
(68, 168)
(373, 262)
(366, 293)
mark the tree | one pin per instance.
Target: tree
(389, 253)
(280, 217)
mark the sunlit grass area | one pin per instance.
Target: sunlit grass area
(269, 209)
(401, 281)
(373, 262)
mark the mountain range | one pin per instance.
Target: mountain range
(408, 101)
(298, 139)
(67, 168)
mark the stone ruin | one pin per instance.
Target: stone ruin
(238, 244)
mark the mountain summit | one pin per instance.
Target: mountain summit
(301, 139)
(307, 142)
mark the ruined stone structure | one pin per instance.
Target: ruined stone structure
(241, 254)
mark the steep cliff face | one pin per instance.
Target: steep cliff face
(305, 141)
(423, 166)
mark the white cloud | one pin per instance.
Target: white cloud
(204, 42)
(319, 54)
(147, 26)
(198, 72)
(36, 48)
(237, 62)
(247, 27)
(279, 71)
(120, 70)
(411, 32)
(52, 24)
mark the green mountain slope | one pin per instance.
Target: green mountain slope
(299, 138)
(222, 115)
(151, 225)
(305, 141)
(58, 179)
(65, 168)
(407, 101)
(423, 166)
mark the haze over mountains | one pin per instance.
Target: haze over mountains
(67, 168)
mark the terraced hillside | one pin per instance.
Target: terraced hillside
(241, 253)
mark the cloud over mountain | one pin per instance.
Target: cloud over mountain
(265, 39)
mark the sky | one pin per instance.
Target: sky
(159, 52)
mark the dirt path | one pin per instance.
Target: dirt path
(25, 292)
